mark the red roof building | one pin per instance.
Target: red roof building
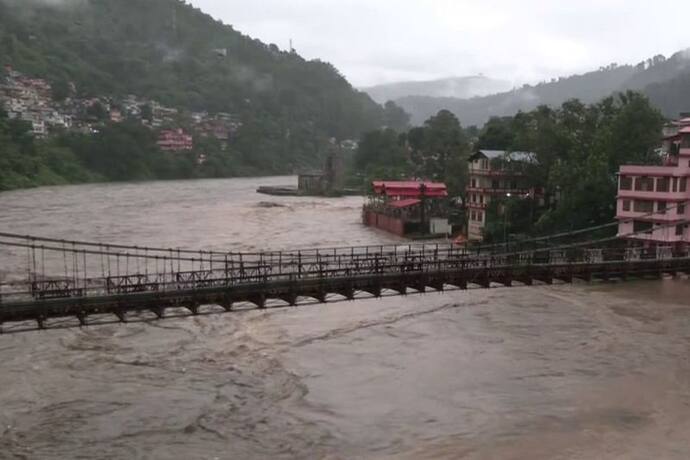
(175, 140)
(408, 207)
(410, 189)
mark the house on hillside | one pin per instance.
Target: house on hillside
(175, 140)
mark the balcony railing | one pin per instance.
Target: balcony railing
(655, 216)
(495, 173)
(498, 191)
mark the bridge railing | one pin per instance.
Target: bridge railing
(318, 267)
(55, 268)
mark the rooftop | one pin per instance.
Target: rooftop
(410, 189)
(506, 154)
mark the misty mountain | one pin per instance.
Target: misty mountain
(457, 87)
(172, 52)
(649, 76)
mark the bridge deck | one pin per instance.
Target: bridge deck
(291, 282)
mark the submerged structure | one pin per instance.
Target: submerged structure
(408, 208)
(329, 181)
(653, 203)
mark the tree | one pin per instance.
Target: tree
(382, 153)
(146, 113)
(61, 90)
(497, 134)
(395, 117)
(97, 111)
(440, 150)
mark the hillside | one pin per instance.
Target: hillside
(175, 54)
(589, 87)
(458, 87)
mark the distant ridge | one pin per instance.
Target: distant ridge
(458, 87)
(654, 77)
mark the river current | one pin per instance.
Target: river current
(562, 372)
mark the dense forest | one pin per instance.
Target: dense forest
(171, 52)
(665, 81)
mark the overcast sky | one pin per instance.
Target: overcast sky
(380, 41)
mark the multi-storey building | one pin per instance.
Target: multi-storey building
(493, 174)
(175, 140)
(653, 204)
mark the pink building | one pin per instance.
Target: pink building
(175, 140)
(655, 200)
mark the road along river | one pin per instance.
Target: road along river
(569, 372)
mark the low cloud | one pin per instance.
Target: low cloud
(523, 42)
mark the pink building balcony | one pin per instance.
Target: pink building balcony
(658, 233)
(498, 191)
(645, 170)
(653, 196)
(667, 217)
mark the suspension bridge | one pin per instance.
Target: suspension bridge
(47, 282)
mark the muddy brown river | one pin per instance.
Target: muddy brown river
(584, 371)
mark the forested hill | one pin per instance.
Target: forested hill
(173, 53)
(651, 76)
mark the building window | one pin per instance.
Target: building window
(474, 183)
(626, 205)
(661, 207)
(675, 184)
(644, 184)
(626, 183)
(642, 226)
(681, 209)
(643, 206)
(683, 184)
(662, 184)
(495, 184)
(679, 230)
(481, 199)
(480, 216)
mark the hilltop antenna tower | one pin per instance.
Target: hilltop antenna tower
(292, 50)
(174, 20)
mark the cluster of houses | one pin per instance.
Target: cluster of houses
(31, 99)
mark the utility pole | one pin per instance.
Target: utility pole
(505, 223)
(174, 21)
(422, 194)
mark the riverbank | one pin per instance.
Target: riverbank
(47, 179)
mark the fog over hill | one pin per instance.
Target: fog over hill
(653, 76)
(457, 87)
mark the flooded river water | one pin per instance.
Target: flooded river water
(578, 371)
